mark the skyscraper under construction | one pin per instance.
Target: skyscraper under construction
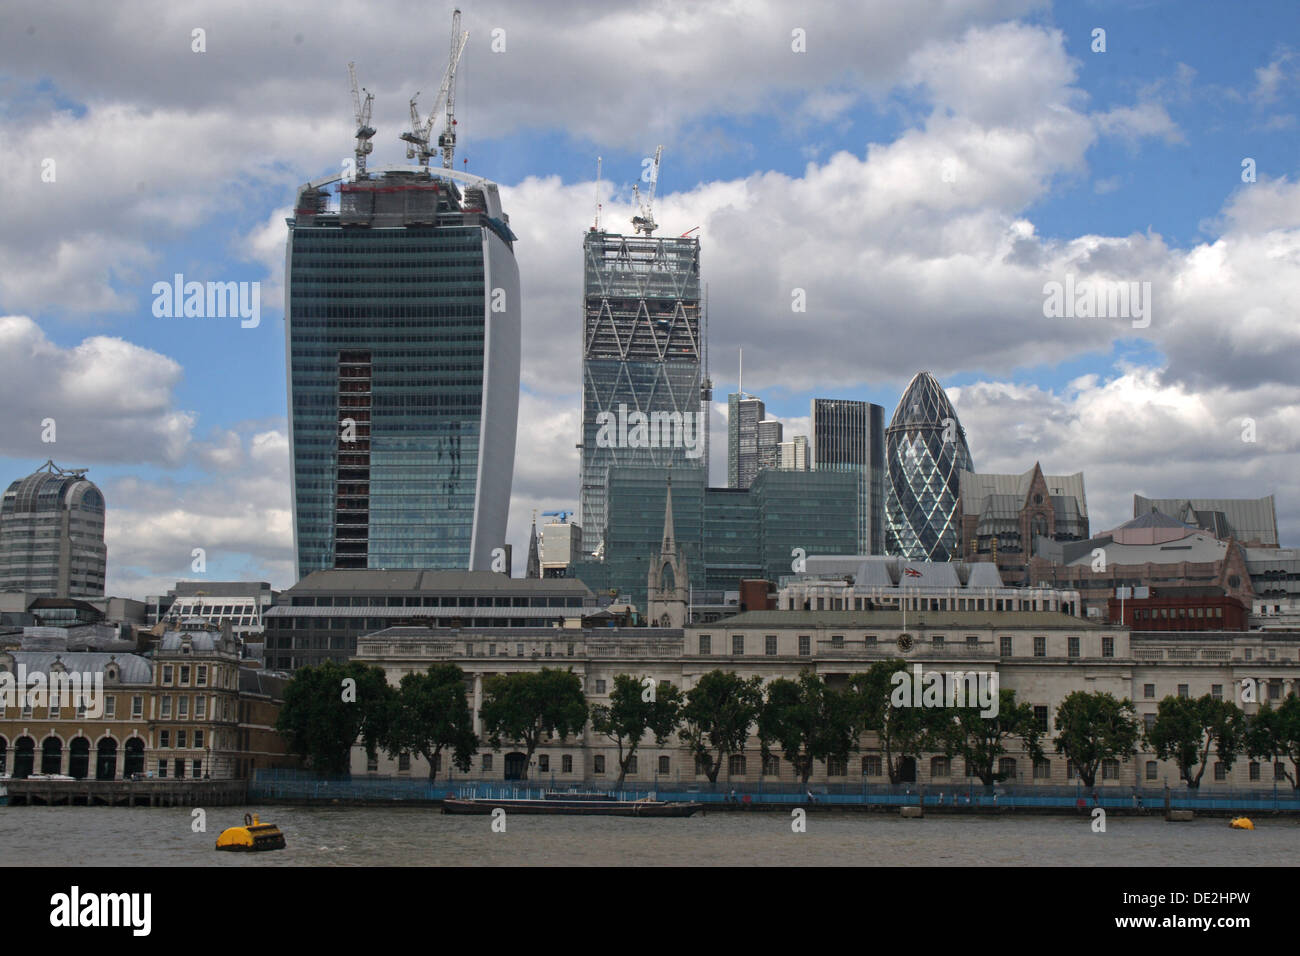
(645, 387)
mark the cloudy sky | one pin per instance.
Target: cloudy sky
(920, 171)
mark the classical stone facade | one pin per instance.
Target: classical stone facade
(1042, 656)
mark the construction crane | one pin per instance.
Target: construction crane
(417, 139)
(562, 515)
(361, 109)
(644, 221)
(596, 227)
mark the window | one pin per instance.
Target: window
(1149, 691)
(631, 766)
(164, 739)
(1042, 770)
(706, 643)
(1151, 769)
(1040, 647)
(1279, 770)
(600, 686)
(771, 766)
(403, 762)
(1182, 691)
(837, 767)
(1216, 691)
(701, 765)
(198, 740)
(487, 761)
(870, 640)
(166, 707)
(736, 765)
(1040, 716)
(183, 708)
(872, 767)
(805, 645)
(1254, 770)
(372, 764)
(1070, 773)
(939, 767)
(738, 643)
(110, 707)
(197, 766)
(201, 709)
(1007, 768)
(837, 640)
(1149, 722)
(972, 640)
(1110, 770)
(519, 650)
(137, 707)
(55, 709)
(1274, 690)
(1073, 647)
(1108, 647)
(1005, 648)
(185, 675)
(181, 737)
(1220, 771)
(566, 763)
(570, 651)
(598, 763)
(167, 674)
(769, 645)
(201, 675)
(162, 768)
(664, 764)
(936, 640)
(543, 763)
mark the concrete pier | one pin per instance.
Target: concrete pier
(39, 792)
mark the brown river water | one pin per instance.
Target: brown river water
(422, 836)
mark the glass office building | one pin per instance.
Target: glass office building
(52, 535)
(925, 447)
(643, 354)
(850, 436)
(402, 345)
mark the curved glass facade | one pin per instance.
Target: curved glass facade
(925, 454)
(52, 535)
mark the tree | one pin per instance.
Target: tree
(633, 710)
(1186, 729)
(1092, 727)
(323, 715)
(1274, 735)
(901, 732)
(718, 713)
(531, 705)
(432, 713)
(809, 721)
(980, 739)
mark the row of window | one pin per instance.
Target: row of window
(1006, 644)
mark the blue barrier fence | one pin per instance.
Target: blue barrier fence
(291, 786)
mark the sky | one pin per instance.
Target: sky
(918, 174)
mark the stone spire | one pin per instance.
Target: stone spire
(534, 569)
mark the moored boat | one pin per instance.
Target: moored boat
(579, 804)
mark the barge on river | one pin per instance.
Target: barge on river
(581, 804)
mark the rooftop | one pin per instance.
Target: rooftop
(929, 620)
(442, 582)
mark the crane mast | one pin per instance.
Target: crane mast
(418, 139)
(644, 221)
(361, 111)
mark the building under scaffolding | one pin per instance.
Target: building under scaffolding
(645, 386)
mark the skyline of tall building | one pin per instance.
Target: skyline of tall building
(848, 435)
(926, 452)
(52, 534)
(402, 342)
(645, 385)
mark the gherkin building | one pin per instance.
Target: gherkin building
(925, 454)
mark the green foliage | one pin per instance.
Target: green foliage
(631, 713)
(1186, 729)
(1274, 735)
(431, 713)
(321, 726)
(530, 706)
(964, 732)
(808, 720)
(718, 713)
(1092, 727)
(901, 732)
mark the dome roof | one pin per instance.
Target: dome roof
(51, 488)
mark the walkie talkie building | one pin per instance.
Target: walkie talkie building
(925, 453)
(402, 340)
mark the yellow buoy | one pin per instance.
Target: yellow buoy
(253, 835)
(1242, 823)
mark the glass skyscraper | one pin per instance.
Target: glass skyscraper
(925, 446)
(643, 363)
(402, 344)
(850, 436)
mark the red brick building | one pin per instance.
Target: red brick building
(1180, 612)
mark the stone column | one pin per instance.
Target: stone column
(478, 703)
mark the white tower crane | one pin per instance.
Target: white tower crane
(362, 112)
(644, 221)
(417, 139)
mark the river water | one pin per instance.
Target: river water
(422, 836)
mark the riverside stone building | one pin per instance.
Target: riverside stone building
(189, 711)
(1042, 656)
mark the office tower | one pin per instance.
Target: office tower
(52, 535)
(402, 342)
(743, 415)
(645, 388)
(561, 545)
(925, 446)
(849, 436)
(793, 454)
(769, 443)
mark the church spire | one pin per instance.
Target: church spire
(534, 569)
(669, 545)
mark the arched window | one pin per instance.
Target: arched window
(52, 755)
(736, 765)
